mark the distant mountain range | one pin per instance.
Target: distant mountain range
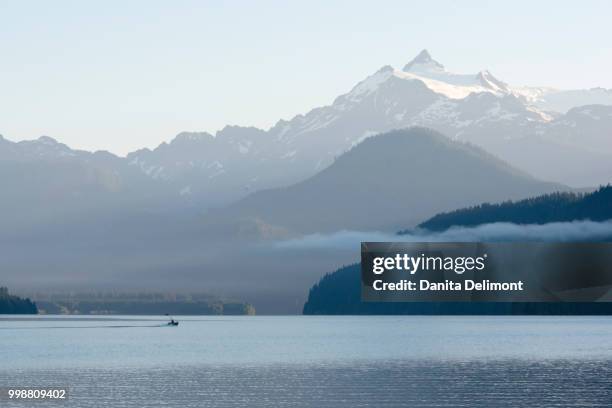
(403, 176)
(520, 125)
(44, 180)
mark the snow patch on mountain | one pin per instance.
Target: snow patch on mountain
(449, 89)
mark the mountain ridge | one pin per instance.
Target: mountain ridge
(398, 175)
(205, 170)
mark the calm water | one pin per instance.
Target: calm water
(296, 361)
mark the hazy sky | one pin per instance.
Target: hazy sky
(119, 75)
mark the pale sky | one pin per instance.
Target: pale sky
(120, 75)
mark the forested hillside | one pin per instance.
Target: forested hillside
(556, 207)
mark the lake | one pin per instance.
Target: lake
(310, 361)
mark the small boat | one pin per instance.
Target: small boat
(172, 322)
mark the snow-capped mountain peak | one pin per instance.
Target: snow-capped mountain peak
(450, 84)
(433, 75)
(423, 62)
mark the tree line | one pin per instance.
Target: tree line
(556, 207)
(10, 304)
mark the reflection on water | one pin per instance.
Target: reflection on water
(314, 362)
(383, 384)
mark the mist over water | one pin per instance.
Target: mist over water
(495, 232)
(273, 275)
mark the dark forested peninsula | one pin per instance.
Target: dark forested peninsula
(340, 292)
(10, 304)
